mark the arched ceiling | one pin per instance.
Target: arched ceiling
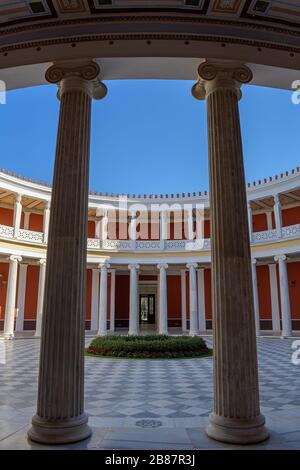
(150, 38)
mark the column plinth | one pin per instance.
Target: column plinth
(60, 416)
(236, 416)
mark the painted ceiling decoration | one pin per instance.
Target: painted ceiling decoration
(15, 12)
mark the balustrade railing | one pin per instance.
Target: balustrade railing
(30, 236)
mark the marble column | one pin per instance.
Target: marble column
(201, 300)
(10, 305)
(41, 294)
(95, 300)
(274, 299)
(163, 299)
(46, 220)
(17, 215)
(183, 301)
(26, 220)
(102, 331)
(284, 297)
(194, 329)
(236, 416)
(112, 300)
(133, 300)
(21, 297)
(250, 221)
(278, 215)
(269, 220)
(255, 297)
(60, 417)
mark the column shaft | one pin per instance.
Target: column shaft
(274, 299)
(194, 329)
(21, 297)
(41, 294)
(163, 300)
(112, 299)
(255, 298)
(201, 300)
(10, 306)
(17, 215)
(103, 301)
(133, 301)
(284, 297)
(95, 300)
(183, 301)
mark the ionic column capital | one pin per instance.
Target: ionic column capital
(215, 75)
(15, 258)
(162, 266)
(192, 265)
(18, 198)
(133, 266)
(254, 261)
(42, 262)
(280, 258)
(47, 204)
(77, 76)
(103, 266)
(276, 198)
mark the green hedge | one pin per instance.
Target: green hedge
(148, 346)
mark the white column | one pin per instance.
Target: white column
(95, 300)
(133, 300)
(104, 226)
(274, 299)
(40, 302)
(269, 220)
(26, 220)
(277, 214)
(183, 301)
(250, 221)
(193, 299)
(163, 225)
(11, 297)
(17, 214)
(255, 297)
(112, 299)
(284, 297)
(46, 220)
(102, 331)
(21, 297)
(132, 226)
(163, 299)
(190, 224)
(201, 300)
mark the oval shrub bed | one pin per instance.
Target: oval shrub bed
(148, 346)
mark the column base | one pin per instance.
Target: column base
(236, 431)
(8, 336)
(68, 431)
(194, 333)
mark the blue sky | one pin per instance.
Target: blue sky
(149, 135)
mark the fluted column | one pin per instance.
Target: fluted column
(201, 300)
(194, 329)
(10, 306)
(46, 221)
(102, 331)
(163, 299)
(255, 297)
(41, 295)
(133, 300)
(95, 300)
(183, 301)
(236, 416)
(274, 299)
(21, 296)
(278, 215)
(112, 300)
(17, 215)
(284, 297)
(60, 416)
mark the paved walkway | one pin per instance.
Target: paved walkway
(140, 404)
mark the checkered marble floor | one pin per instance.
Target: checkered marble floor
(135, 404)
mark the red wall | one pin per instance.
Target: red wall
(259, 222)
(88, 294)
(174, 296)
(122, 297)
(6, 216)
(264, 292)
(36, 222)
(291, 216)
(208, 296)
(91, 229)
(31, 296)
(206, 228)
(4, 268)
(293, 270)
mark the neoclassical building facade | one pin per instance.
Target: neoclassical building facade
(149, 260)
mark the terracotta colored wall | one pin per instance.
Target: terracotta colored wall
(89, 273)
(122, 297)
(259, 222)
(36, 222)
(291, 216)
(207, 228)
(6, 216)
(4, 269)
(91, 229)
(208, 298)
(174, 296)
(293, 270)
(31, 296)
(264, 292)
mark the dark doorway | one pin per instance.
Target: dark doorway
(147, 308)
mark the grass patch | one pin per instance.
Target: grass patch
(148, 347)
